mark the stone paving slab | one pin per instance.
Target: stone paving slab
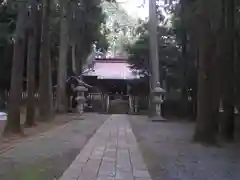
(111, 154)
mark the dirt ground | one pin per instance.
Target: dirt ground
(170, 153)
(45, 156)
(7, 142)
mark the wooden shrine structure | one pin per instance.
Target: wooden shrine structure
(115, 82)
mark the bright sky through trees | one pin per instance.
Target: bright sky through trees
(135, 8)
(138, 8)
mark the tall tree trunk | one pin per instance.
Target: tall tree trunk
(45, 101)
(62, 64)
(31, 63)
(205, 131)
(184, 64)
(39, 43)
(13, 122)
(237, 70)
(227, 123)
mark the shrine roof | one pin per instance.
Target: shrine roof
(111, 69)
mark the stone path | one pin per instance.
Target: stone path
(111, 154)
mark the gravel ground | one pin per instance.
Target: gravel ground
(171, 155)
(45, 157)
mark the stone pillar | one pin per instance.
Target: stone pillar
(80, 98)
(157, 100)
(156, 90)
(131, 104)
(136, 104)
(154, 58)
(102, 103)
(108, 102)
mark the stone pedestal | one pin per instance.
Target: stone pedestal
(80, 98)
(131, 109)
(107, 103)
(157, 101)
(136, 104)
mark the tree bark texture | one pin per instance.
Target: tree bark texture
(13, 122)
(31, 63)
(227, 122)
(46, 97)
(206, 125)
(184, 63)
(62, 63)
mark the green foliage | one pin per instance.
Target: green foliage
(86, 26)
(139, 54)
(85, 22)
(102, 42)
(7, 26)
(184, 26)
(168, 53)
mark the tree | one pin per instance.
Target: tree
(219, 66)
(227, 123)
(206, 125)
(45, 101)
(121, 28)
(102, 43)
(62, 63)
(168, 54)
(184, 57)
(184, 27)
(13, 122)
(237, 51)
(202, 45)
(88, 31)
(31, 63)
(7, 26)
(79, 24)
(84, 28)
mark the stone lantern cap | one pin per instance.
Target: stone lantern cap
(81, 89)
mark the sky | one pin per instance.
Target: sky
(134, 8)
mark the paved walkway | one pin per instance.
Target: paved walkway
(111, 154)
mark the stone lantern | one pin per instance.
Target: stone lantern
(158, 93)
(80, 97)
